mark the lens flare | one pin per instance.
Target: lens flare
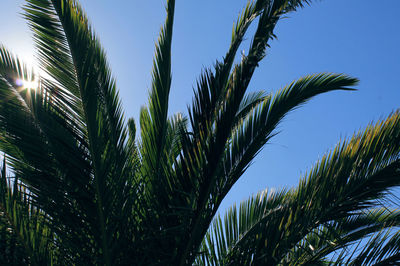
(19, 82)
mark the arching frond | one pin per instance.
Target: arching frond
(260, 122)
(382, 249)
(332, 203)
(339, 240)
(249, 102)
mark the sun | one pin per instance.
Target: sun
(27, 84)
(30, 74)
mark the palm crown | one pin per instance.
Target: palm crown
(82, 189)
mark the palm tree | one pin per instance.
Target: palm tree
(79, 188)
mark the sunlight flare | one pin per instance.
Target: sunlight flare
(25, 84)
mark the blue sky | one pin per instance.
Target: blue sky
(357, 37)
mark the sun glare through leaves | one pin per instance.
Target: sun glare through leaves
(27, 84)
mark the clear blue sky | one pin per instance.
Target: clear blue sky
(357, 37)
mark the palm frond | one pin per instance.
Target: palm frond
(24, 236)
(224, 234)
(348, 182)
(156, 140)
(339, 240)
(154, 134)
(34, 129)
(382, 249)
(260, 122)
(249, 102)
(83, 105)
(215, 105)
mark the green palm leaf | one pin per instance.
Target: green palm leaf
(154, 124)
(80, 112)
(382, 249)
(258, 126)
(342, 237)
(329, 202)
(24, 236)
